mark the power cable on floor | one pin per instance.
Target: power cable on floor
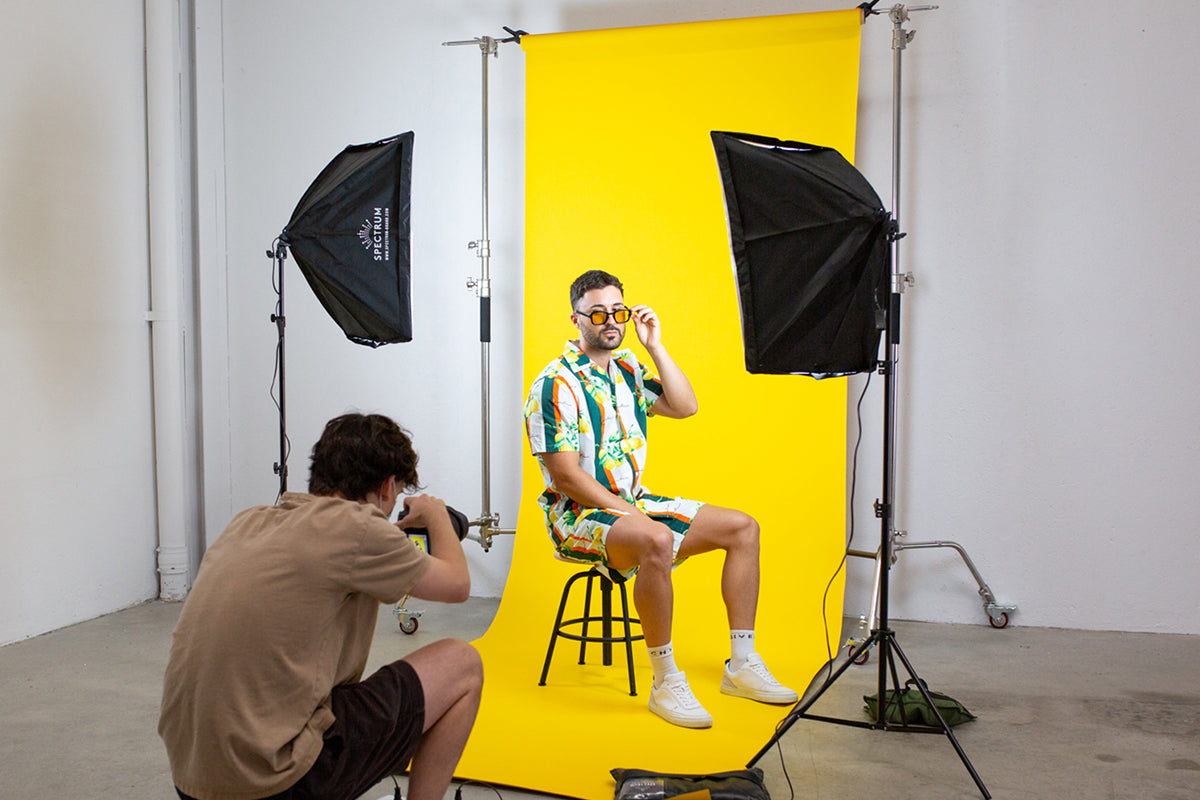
(458, 792)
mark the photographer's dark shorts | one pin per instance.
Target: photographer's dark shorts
(376, 729)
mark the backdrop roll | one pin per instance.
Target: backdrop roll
(621, 176)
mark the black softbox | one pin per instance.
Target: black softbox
(810, 242)
(350, 234)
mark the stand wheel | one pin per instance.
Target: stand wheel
(999, 622)
(863, 657)
(409, 625)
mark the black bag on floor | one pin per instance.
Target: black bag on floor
(908, 707)
(640, 784)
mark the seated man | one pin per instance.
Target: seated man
(586, 423)
(263, 694)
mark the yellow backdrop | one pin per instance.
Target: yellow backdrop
(621, 176)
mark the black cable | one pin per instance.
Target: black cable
(458, 791)
(783, 765)
(850, 537)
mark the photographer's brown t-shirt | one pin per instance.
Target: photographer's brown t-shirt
(283, 609)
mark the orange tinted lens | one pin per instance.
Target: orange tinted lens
(622, 315)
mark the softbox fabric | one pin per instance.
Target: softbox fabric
(810, 241)
(350, 234)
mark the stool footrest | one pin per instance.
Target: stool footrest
(637, 637)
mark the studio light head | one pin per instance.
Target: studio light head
(810, 247)
(350, 234)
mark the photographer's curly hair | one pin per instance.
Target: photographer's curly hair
(592, 279)
(357, 453)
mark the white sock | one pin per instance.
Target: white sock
(741, 648)
(662, 660)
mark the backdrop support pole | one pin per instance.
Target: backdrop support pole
(882, 635)
(488, 520)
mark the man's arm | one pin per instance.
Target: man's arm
(678, 399)
(447, 580)
(570, 479)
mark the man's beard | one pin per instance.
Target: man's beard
(597, 340)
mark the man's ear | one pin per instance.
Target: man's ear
(389, 488)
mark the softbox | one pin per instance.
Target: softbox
(350, 234)
(810, 241)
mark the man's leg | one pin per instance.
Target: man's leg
(638, 541)
(716, 528)
(451, 674)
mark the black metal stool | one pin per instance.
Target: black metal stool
(605, 618)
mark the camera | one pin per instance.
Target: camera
(420, 536)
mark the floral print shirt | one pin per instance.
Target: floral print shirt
(575, 405)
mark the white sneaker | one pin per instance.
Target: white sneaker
(756, 682)
(673, 701)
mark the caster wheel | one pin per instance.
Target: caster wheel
(863, 657)
(409, 625)
(1002, 622)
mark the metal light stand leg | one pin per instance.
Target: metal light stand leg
(882, 635)
(997, 613)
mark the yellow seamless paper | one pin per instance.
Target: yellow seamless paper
(621, 176)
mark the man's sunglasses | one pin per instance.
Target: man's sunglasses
(599, 317)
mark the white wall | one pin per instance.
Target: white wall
(77, 528)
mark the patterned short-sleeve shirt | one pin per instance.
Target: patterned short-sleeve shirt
(575, 405)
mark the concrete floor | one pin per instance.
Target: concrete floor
(1062, 714)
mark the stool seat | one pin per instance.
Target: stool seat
(605, 618)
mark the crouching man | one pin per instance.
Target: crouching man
(264, 695)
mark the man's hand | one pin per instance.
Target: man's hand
(447, 580)
(649, 330)
(421, 511)
(678, 399)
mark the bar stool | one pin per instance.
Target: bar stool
(605, 618)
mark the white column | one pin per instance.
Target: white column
(168, 335)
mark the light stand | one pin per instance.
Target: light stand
(882, 635)
(488, 520)
(279, 255)
(349, 234)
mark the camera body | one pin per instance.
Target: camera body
(420, 536)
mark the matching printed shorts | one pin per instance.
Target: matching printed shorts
(580, 534)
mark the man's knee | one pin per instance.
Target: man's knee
(468, 661)
(642, 543)
(742, 532)
(657, 546)
(748, 530)
(452, 663)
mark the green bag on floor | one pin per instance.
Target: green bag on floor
(908, 707)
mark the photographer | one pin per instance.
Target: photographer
(263, 695)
